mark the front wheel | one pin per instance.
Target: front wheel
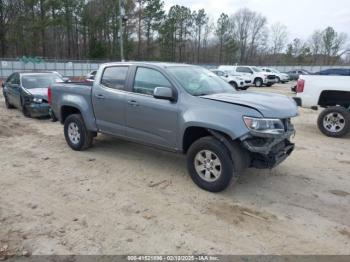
(76, 134)
(334, 121)
(210, 165)
(234, 85)
(25, 110)
(258, 82)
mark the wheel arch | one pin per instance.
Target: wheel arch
(333, 98)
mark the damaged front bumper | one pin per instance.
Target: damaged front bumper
(267, 151)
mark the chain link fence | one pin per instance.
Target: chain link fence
(79, 69)
(73, 69)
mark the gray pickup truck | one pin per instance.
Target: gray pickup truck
(179, 108)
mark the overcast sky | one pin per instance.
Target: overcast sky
(301, 17)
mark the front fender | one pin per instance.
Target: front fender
(225, 118)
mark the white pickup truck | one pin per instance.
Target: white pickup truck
(331, 93)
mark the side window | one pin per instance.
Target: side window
(146, 80)
(115, 77)
(10, 79)
(240, 70)
(13, 79)
(16, 80)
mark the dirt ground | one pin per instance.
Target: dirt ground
(123, 198)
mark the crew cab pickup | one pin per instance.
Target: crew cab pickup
(179, 108)
(331, 93)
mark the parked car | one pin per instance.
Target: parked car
(64, 78)
(331, 93)
(280, 77)
(238, 82)
(179, 108)
(90, 77)
(294, 74)
(28, 92)
(256, 75)
(334, 72)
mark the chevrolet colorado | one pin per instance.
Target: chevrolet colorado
(179, 108)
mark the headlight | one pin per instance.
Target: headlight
(263, 125)
(37, 100)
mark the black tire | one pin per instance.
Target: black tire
(227, 170)
(269, 85)
(85, 136)
(234, 85)
(24, 109)
(7, 103)
(258, 82)
(337, 127)
(244, 88)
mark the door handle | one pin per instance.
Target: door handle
(133, 103)
(100, 97)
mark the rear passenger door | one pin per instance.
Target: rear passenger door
(246, 71)
(108, 98)
(150, 120)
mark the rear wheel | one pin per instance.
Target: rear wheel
(210, 165)
(76, 134)
(334, 121)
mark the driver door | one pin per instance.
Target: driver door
(150, 120)
(13, 90)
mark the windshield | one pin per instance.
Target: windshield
(256, 69)
(40, 81)
(199, 81)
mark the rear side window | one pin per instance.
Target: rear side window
(115, 77)
(244, 70)
(146, 80)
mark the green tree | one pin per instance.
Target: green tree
(153, 16)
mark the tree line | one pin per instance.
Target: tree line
(82, 29)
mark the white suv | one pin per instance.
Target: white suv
(281, 77)
(238, 82)
(256, 75)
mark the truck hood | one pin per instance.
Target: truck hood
(269, 105)
(38, 92)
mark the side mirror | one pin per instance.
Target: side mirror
(165, 93)
(226, 75)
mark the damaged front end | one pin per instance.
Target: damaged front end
(267, 150)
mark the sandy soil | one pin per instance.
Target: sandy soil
(123, 198)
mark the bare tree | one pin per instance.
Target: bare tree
(278, 36)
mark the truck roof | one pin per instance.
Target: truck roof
(159, 64)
